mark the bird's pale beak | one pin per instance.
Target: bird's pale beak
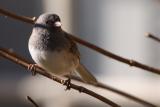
(57, 24)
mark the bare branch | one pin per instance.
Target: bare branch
(23, 62)
(151, 36)
(13, 57)
(89, 45)
(32, 101)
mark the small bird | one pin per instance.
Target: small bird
(54, 50)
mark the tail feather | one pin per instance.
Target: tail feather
(86, 75)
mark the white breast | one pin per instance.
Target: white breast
(59, 63)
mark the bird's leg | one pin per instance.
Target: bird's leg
(32, 68)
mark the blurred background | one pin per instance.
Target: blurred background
(115, 25)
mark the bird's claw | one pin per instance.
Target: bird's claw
(68, 84)
(32, 68)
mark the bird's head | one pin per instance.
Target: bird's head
(49, 20)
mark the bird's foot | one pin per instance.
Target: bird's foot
(68, 84)
(32, 68)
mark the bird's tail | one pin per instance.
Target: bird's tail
(86, 75)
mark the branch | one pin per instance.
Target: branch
(32, 101)
(23, 62)
(17, 59)
(116, 57)
(89, 45)
(151, 36)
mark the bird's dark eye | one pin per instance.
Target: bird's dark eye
(57, 19)
(50, 22)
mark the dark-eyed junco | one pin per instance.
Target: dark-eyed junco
(54, 50)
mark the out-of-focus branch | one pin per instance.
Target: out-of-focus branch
(89, 45)
(132, 97)
(119, 92)
(151, 36)
(32, 101)
(23, 62)
(12, 57)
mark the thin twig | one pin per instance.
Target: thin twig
(151, 36)
(89, 45)
(32, 101)
(8, 55)
(19, 58)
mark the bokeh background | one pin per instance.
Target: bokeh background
(116, 25)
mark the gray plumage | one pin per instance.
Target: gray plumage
(54, 50)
